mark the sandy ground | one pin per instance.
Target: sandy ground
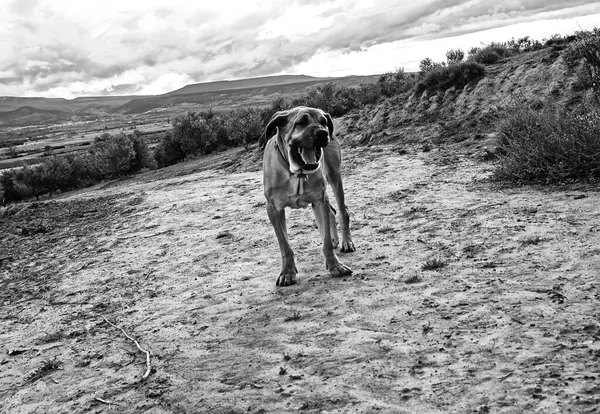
(185, 261)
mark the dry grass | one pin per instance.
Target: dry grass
(549, 145)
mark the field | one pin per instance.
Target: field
(465, 297)
(31, 126)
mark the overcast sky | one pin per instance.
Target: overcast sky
(69, 48)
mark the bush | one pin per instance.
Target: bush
(200, 133)
(369, 93)
(244, 126)
(168, 151)
(455, 56)
(457, 75)
(549, 145)
(428, 64)
(489, 54)
(113, 155)
(143, 156)
(586, 48)
(333, 99)
(109, 156)
(394, 83)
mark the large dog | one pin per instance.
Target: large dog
(300, 155)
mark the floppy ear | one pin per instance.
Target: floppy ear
(278, 120)
(329, 124)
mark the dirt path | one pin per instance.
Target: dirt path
(187, 265)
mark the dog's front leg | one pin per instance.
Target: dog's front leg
(288, 267)
(335, 267)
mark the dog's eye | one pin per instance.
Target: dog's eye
(303, 121)
(322, 121)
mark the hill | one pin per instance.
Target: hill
(230, 94)
(27, 115)
(251, 83)
(223, 94)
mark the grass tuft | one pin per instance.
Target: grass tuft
(434, 263)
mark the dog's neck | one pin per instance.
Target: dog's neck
(301, 175)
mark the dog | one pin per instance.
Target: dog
(301, 154)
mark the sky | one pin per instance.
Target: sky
(71, 48)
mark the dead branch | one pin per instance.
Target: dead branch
(148, 367)
(158, 234)
(107, 402)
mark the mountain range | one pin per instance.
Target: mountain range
(22, 111)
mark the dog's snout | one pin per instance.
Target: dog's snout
(321, 138)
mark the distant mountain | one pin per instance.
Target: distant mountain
(244, 84)
(11, 103)
(28, 115)
(225, 95)
(221, 95)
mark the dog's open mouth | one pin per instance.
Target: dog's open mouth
(305, 158)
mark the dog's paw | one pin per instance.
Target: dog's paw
(286, 279)
(347, 246)
(339, 270)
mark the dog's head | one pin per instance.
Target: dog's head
(305, 131)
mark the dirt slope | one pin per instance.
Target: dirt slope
(453, 115)
(185, 261)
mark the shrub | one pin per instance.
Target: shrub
(109, 156)
(369, 93)
(549, 145)
(457, 75)
(244, 126)
(455, 56)
(394, 83)
(489, 54)
(168, 151)
(333, 99)
(143, 156)
(56, 174)
(428, 64)
(586, 48)
(113, 155)
(193, 134)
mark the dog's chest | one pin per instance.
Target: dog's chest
(299, 201)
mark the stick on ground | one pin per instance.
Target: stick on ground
(148, 368)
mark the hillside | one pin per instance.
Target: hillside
(27, 115)
(247, 92)
(464, 114)
(244, 84)
(210, 95)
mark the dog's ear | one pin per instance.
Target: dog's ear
(278, 120)
(329, 124)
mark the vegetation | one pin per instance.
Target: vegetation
(543, 143)
(439, 77)
(547, 143)
(110, 156)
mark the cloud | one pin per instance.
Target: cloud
(72, 48)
